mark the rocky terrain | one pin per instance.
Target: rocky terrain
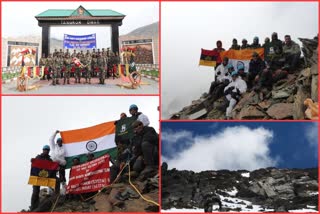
(121, 197)
(284, 101)
(263, 190)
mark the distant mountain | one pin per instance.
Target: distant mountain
(263, 190)
(151, 30)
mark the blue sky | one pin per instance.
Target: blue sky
(202, 146)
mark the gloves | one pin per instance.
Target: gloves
(219, 73)
(235, 95)
(229, 90)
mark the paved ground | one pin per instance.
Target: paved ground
(149, 86)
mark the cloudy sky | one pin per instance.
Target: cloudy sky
(18, 18)
(189, 26)
(200, 146)
(28, 122)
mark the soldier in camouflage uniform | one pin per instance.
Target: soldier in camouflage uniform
(94, 62)
(58, 63)
(88, 54)
(110, 64)
(67, 53)
(55, 53)
(43, 62)
(77, 74)
(105, 58)
(68, 64)
(101, 65)
(87, 63)
(50, 63)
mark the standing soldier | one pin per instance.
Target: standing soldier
(56, 69)
(105, 58)
(88, 53)
(77, 74)
(43, 62)
(67, 53)
(116, 63)
(87, 62)
(50, 63)
(101, 65)
(61, 53)
(68, 64)
(93, 62)
(74, 54)
(55, 53)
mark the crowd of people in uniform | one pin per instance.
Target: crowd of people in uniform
(280, 59)
(143, 156)
(79, 65)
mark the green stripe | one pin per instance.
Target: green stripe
(83, 157)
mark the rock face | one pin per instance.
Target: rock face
(272, 189)
(288, 93)
(121, 197)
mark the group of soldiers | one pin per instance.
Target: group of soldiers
(80, 65)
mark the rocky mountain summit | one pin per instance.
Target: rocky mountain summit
(120, 197)
(262, 190)
(284, 101)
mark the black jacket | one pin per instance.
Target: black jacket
(255, 67)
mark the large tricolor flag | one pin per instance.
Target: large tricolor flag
(209, 57)
(43, 173)
(237, 57)
(98, 140)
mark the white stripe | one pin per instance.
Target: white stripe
(234, 62)
(103, 143)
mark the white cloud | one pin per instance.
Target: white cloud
(312, 134)
(233, 148)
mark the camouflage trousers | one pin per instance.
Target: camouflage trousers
(55, 76)
(78, 75)
(66, 76)
(88, 75)
(101, 75)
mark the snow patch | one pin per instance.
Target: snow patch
(233, 192)
(245, 174)
(313, 193)
(303, 210)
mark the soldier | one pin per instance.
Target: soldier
(77, 74)
(106, 60)
(61, 53)
(74, 54)
(43, 62)
(50, 63)
(101, 65)
(56, 69)
(87, 62)
(93, 53)
(68, 64)
(88, 53)
(94, 62)
(67, 53)
(55, 53)
(81, 54)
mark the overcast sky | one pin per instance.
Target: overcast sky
(28, 122)
(189, 26)
(18, 18)
(200, 146)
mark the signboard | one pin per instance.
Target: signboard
(79, 42)
(16, 50)
(89, 177)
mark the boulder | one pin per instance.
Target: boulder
(281, 111)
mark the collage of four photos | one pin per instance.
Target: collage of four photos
(159, 106)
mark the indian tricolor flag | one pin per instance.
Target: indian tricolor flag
(237, 57)
(98, 140)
